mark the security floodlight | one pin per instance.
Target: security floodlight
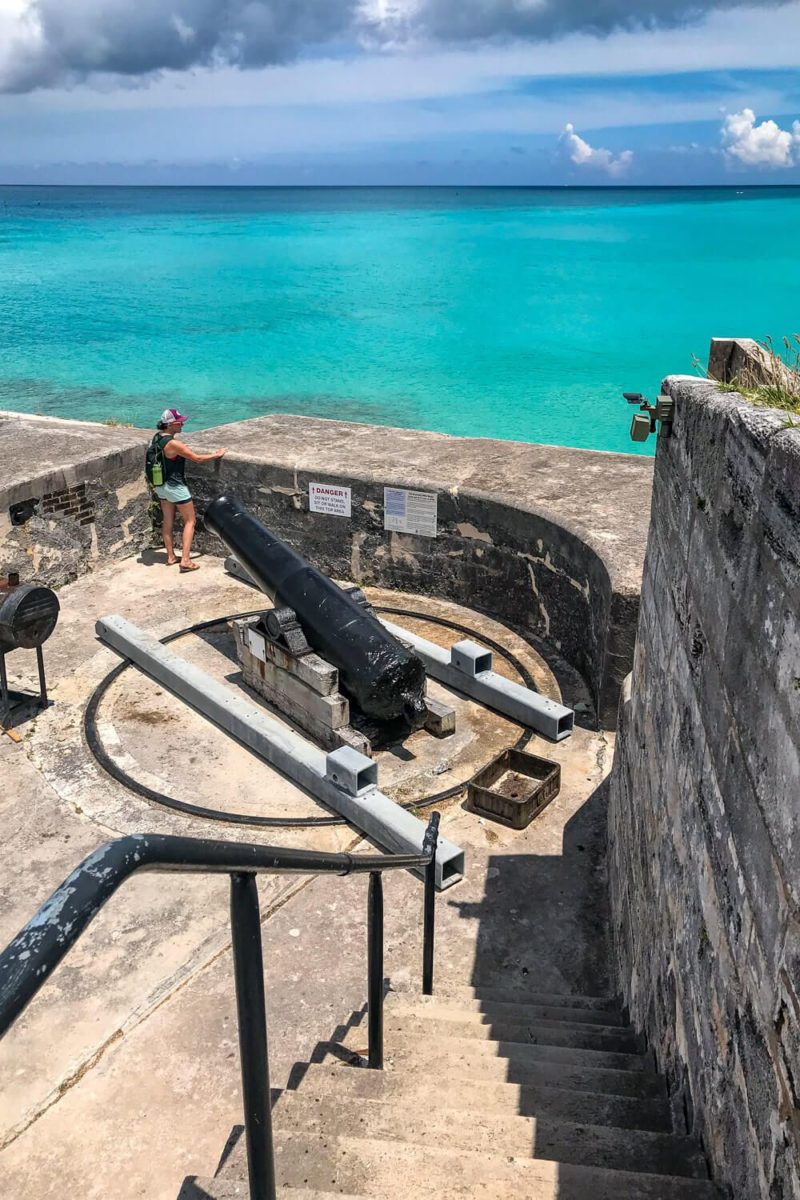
(641, 427)
(645, 422)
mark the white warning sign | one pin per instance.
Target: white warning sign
(329, 498)
(410, 512)
(256, 643)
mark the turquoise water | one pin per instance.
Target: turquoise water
(510, 313)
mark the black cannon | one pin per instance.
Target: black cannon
(384, 679)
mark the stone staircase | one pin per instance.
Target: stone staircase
(484, 1095)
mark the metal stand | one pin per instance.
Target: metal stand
(355, 797)
(7, 694)
(42, 680)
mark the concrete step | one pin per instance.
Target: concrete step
(478, 1024)
(223, 1188)
(553, 1066)
(583, 1144)
(394, 1170)
(514, 1012)
(521, 995)
(457, 1092)
(555, 1047)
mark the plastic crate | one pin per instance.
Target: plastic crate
(514, 787)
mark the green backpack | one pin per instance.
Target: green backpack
(154, 465)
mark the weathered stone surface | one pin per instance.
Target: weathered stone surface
(704, 855)
(84, 488)
(748, 364)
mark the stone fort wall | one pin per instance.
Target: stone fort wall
(72, 495)
(704, 853)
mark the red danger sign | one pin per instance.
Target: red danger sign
(329, 498)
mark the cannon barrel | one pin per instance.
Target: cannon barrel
(385, 679)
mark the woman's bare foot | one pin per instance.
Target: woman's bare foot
(190, 566)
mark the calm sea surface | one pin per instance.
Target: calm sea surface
(517, 313)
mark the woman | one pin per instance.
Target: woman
(173, 493)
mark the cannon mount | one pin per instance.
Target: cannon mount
(279, 664)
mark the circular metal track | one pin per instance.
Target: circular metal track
(95, 744)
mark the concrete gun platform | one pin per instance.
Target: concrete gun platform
(136, 1032)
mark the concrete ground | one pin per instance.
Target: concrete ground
(123, 1074)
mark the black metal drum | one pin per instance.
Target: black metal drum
(28, 615)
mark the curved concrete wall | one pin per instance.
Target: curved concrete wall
(549, 540)
(522, 563)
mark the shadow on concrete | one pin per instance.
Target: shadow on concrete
(21, 709)
(543, 920)
(152, 558)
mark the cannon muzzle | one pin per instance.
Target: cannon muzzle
(385, 680)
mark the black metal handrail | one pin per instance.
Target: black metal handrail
(32, 956)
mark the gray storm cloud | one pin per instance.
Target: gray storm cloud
(45, 43)
(485, 20)
(55, 41)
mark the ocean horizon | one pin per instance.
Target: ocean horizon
(505, 312)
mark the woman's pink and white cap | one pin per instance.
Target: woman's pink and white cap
(171, 416)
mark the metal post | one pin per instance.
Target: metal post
(42, 680)
(3, 686)
(375, 970)
(249, 972)
(429, 912)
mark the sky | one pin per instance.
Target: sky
(548, 92)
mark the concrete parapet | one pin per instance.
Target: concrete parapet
(547, 539)
(72, 494)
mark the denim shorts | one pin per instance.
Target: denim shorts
(175, 491)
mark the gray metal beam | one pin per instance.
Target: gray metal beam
(466, 668)
(345, 785)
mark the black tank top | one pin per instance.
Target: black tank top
(174, 468)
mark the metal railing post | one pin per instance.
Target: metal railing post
(375, 970)
(429, 914)
(249, 972)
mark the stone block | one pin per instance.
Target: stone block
(441, 718)
(292, 696)
(747, 362)
(310, 669)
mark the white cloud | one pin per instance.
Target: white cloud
(764, 145)
(584, 155)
